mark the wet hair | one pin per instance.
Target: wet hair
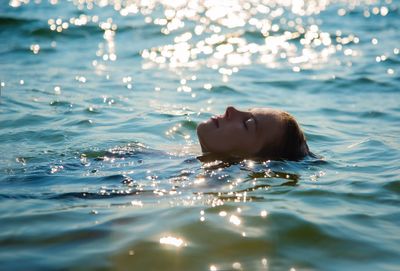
(292, 146)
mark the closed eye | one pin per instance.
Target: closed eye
(245, 125)
(248, 123)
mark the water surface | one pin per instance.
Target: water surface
(98, 110)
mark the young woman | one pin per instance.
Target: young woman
(262, 133)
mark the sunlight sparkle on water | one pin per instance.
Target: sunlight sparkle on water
(390, 71)
(219, 36)
(35, 48)
(57, 90)
(216, 34)
(235, 220)
(173, 241)
(264, 262)
(237, 266)
(137, 203)
(210, 39)
(264, 213)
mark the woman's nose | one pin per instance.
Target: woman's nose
(231, 112)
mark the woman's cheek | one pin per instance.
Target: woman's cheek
(237, 139)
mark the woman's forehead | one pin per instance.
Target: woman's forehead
(269, 123)
(265, 111)
(267, 119)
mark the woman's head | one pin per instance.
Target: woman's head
(259, 132)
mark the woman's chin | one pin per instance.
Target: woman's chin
(201, 131)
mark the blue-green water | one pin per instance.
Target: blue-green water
(98, 109)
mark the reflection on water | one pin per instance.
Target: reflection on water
(100, 164)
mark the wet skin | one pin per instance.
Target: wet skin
(241, 133)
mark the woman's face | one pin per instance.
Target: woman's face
(241, 133)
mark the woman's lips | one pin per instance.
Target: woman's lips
(217, 118)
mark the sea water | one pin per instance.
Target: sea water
(99, 105)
